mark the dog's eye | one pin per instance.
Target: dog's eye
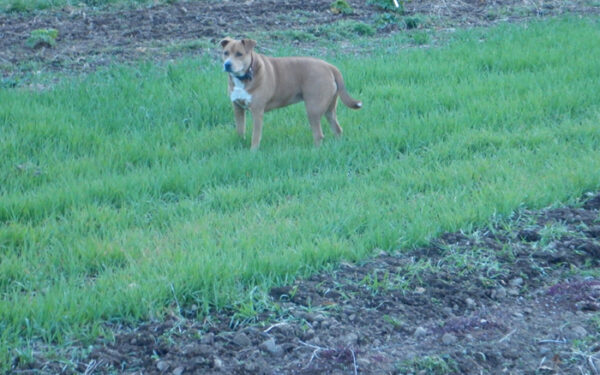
(226, 53)
(239, 54)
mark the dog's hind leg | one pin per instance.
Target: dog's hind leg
(318, 101)
(332, 118)
(315, 124)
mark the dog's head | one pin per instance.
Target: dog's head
(237, 55)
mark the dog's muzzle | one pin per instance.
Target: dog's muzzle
(227, 66)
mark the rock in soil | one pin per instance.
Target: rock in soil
(162, 366)
(420, 332)
(271, 347)
(449, 339)
(240, 339)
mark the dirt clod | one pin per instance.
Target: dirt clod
(162, 366)
(449, 339)
(241, 339)
(272, 348)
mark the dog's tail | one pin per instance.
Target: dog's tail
(341, 89)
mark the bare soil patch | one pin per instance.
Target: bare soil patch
(90, 38)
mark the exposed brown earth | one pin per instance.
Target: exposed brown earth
(89, 38)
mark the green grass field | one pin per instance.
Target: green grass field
(126, 193)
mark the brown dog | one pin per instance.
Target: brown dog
(260, 84)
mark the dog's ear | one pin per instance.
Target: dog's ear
(249, 44)
(225, 41)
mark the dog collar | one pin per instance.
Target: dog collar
(247, 76)
(249, 73)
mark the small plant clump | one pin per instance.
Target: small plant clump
(420, 38)
(412, 22)
(42, 38)
(341, 7)
(364, 29)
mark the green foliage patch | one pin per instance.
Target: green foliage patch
(126, 194)
(341, 6)
(42, 37)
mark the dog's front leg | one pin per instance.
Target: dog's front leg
(257, 121)
(240, 120)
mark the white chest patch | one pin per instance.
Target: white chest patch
(239, 95)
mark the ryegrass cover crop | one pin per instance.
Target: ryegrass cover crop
(126, 193)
